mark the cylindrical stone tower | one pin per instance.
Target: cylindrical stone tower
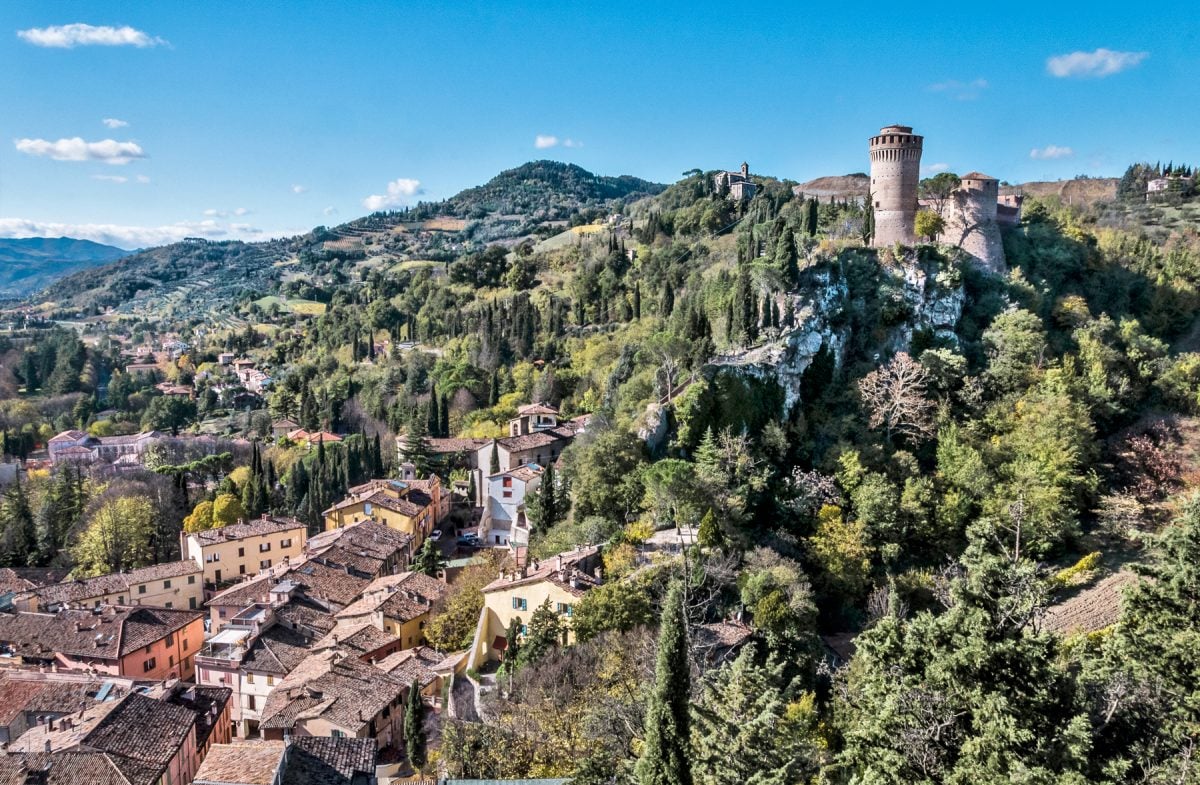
(895, 173)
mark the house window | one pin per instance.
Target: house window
(191, 603)
(121, 600)
(285, 543)
(250, 703)
(249, 678)
(241, 569)
(221, 612)
(142, 589)
(337, 734)
(166, 584)
(263, 547)
(191, 579)
(520, 604)
(169, 605)
(270, 680)
(264, 564)
(149, 665)
(508, 494)
(171, 661)
(185, 644)
(241, 552)
(507, 482)
(170, 639)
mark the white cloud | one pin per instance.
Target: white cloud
(962, 91)
(330, 210)
(71, 36)
(113, 122)
(214, 213)
(299, 189)
(111, 178)
(124, 236)
(399, 193)
(108, 151)
(546, 141)
(1102, 62)
(143, 179)
(935, 168)
(1050, 152)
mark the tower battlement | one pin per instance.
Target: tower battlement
(895, 173)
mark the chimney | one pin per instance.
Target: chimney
(49, 747)
(558, 565)
(599, 573)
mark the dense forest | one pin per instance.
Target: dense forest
(886, 446)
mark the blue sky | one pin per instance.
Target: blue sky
(266, 118)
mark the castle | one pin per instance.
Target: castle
(973, 214)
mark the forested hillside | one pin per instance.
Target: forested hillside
(31, 263)
(898, 467)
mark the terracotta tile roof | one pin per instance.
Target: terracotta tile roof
(726, 634)
(119, 730)
(449, 446)
(415, 663)
(72, 768)
(371, 486)
(358, 639)
(548, 571)
(523, 473)
(320, 760)
(18, 695)
(306, 617)
(19, 579)
(537, 408)
(403, 597)
(256, 528)
(1092, 609)
(247, 763)
(67, 436)
(531, 441)
(107, 635)
(319, 582)
(206, 702)
(278, 650)
(976, 176)
(365, 547)
(333, 686)
(81, 591)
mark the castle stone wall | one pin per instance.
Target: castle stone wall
(971, 221)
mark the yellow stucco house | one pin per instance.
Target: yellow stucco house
(170, 585)
(229, 553)
(516, 594)
(407, 506)
(397, 604)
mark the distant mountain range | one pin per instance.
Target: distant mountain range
(29, 264)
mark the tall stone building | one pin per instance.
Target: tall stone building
(895, 174)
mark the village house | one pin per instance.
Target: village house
(78, 447)
(30, 698)
(159, 738)
(367, 550)
(284, 426)
(396, 604)
(535, 435)
(401, 505)
(175, 584)
(300, 760)
(737, 185)
(228, 553)
(18, 580)
(504, 520)
(136, 642)
(258, 647)
(313, 438)
(322, 586)
(335, 694)
(425, 666)
(516, 594)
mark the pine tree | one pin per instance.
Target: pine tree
(429, 559)
(18, 530)
(665, 750)
(414, 727)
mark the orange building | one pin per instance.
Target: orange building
(135, 642)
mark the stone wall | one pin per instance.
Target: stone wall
(895, 174)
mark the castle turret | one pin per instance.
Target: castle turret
(972, 220)
(895, 173)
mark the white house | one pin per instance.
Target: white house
(504, 518)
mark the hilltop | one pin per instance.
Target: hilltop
(30, 263)
(534, 200)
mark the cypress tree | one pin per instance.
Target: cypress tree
(414, 721)
(664, 759)
(494, 464)
(637, 300)
(444, 421)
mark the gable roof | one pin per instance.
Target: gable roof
(107, 635)
(333, 686)
(249, 763)
(405, 596)
(572, 570)
(321, 760)
(277, 650)
(86, 589)
(259, 527)
(416, 663)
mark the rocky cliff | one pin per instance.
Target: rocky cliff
(919, 292)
